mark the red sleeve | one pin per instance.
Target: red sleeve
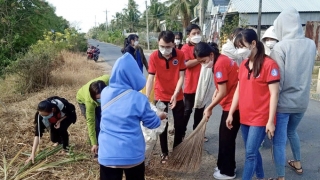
(152, 67)
(186, 51)
(183, 63)
(220, 73)
(273, 72)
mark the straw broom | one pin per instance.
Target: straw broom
(186, 157)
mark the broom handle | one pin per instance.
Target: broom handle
(194, 132)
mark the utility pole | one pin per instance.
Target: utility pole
(201, 19)
(106, 19)
(147, 26)
(259, 19)
(95, 21)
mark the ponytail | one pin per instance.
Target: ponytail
(258, 59)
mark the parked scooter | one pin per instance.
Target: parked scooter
(93, 53)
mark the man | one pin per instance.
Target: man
(168, 65)
(295, 55)
(192, 76)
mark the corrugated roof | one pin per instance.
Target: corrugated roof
(252, 6)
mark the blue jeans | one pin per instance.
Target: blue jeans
(253, 137)
(286, 126)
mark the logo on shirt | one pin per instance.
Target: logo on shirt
(219, 75)
(274, 72)
(175, 62)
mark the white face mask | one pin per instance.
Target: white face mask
(271, 43)
(136, 43)
(177, 41)
(244, 52)
(165, 51)
(208, 65)
(196, 39)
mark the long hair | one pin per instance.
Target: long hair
(249, 35)
(127, 41)
(203, 49)
(96, 88)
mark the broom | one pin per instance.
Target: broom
(186, 157)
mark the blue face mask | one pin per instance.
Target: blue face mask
(48, 117)
(99, 101)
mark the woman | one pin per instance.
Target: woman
(257, 97)
(53, 115)
(269, 39)
(178, 40)
(88, 98)
(122, 144)
(131, 45)
(228, 48)
(225, 78)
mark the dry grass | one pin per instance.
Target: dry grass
(17, 116)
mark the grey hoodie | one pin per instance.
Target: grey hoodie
(295, 55)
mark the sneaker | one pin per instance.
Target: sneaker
(217, 169)
(218, 175)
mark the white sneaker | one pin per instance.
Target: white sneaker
(219, 176)
(217, 169)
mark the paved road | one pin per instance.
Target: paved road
(309, 132)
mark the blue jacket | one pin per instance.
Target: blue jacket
(121, 141)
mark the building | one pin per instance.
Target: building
(247, 10)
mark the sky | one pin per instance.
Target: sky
(84, 13)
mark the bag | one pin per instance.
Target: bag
(65, 107)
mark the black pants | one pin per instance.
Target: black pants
(198, 113)
(61, 135)
(179, 126)
(134, 173)
(227, 144)
(97, 116)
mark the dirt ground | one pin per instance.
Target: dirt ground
(17, 127)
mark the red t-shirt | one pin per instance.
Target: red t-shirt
(226, 71)
(254, 95)
(193, 73)
(168, 73)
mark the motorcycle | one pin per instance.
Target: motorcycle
(93, 54)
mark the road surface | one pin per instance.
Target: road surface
(308, 130)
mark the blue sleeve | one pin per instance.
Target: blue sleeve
(149, 117)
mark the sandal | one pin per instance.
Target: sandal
(164, 158)
(299, 171)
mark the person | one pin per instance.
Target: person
(168, 65)
(55, 114)
(269, 39)
(228, 48)
(257, 96)
(131, 45)
(96, 53)
(178, 40)
(88, 98)
(192, 76)
(122, 144)
(226, 79)
(295, 82)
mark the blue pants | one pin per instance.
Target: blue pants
(286, 126)
(253, 137)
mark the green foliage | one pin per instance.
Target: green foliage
(23, 23)
(230, 23)
(100, 33)
(35, 66)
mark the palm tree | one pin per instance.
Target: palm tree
(156, 13)
(131, 15)
(183, 9)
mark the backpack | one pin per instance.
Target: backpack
(68, 108)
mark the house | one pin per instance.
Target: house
(247, 10)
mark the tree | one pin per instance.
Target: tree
(156, 13)
(132, 15)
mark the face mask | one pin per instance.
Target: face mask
(99, 101)
(270, 44)
(208, 65)
(244, 52)
(165, 51)
(48, 117)
(136, 43)
(196, 39)
(177, 41)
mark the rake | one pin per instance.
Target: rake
(186, 157)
